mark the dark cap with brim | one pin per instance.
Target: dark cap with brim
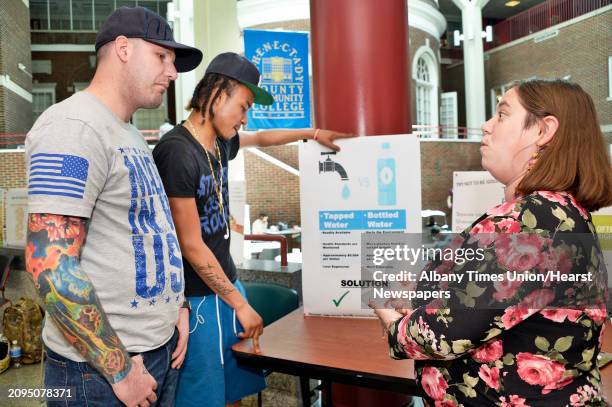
(244, 71)
(139, 22)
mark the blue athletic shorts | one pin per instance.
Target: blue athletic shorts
(210, 375)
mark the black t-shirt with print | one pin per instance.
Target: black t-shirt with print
(185, 172)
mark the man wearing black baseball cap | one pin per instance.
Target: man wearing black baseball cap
(105, 255)
(139, 22)
(192, 160)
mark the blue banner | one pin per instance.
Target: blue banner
(282, 60)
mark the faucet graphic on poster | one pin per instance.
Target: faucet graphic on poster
(329, 165)
(386, 177)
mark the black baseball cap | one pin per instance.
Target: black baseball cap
(139, 22)
(244, 71)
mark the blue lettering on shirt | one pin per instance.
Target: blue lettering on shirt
(211, 220)
(147, 196)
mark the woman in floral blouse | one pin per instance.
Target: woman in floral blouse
(512, 343)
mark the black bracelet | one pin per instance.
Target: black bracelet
(186, 304)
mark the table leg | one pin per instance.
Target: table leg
(326, 393)
(305, 390)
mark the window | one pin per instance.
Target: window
(425, 75)
(43, 96)
(42, 66)
(423, 93)
(448, 115)
(150, 4)
(125, 3)
(102, 9)
(82, 15)
(39, 15)
(151, 119)
(59, 15)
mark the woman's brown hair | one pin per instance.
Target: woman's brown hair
(576, 160)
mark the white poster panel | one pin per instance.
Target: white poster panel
(474, 193)
(16, 216)
(373, 185)
(237, 195)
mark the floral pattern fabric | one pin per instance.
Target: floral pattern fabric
(514, 343)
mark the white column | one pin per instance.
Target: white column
(473, 62)
(180, 13)
(211, 26)
(216, 31)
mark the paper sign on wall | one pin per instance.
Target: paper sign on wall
(373, 185)
(16, 216)
(237, 193)
(474, 193)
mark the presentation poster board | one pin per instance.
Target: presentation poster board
(474, 193)
(373, 185)
(16, 216)
(237, 193)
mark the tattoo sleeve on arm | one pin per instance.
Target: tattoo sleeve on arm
(53, 258)
(215, 278)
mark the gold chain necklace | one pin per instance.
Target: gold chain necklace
(218, 186)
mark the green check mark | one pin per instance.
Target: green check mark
(337, 302)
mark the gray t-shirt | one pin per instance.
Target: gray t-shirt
(82, 160)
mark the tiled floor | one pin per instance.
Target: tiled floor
(19, 285)
(27, 376)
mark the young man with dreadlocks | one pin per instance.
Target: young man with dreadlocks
(193, 161)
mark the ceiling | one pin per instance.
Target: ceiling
(495, 9)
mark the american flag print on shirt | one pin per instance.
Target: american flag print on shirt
(58, 175)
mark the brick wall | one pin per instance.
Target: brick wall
(67, 37)
(15, 112)
(67, 68)
(277, 193)
(272, 190)
(439, 159)
(12, 170)
(580, 50)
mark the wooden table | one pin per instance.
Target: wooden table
(339, 350)
(345, 350)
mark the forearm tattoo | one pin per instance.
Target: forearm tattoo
(53, 259)
(215, 278)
